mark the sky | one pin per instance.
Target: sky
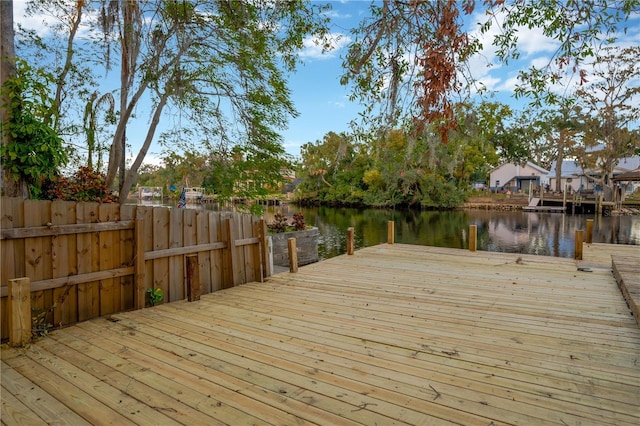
(323, 104)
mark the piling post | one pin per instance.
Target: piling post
(193, 278)
(589, 238)
(293, 255)
(350, 241)
(473, 234)
(600, 201)
(19, 306)
(578, 244)
(390, 231)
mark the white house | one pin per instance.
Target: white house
(573, 175)
(515, 177)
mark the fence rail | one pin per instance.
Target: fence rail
(86, 260)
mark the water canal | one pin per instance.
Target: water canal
(550, 234)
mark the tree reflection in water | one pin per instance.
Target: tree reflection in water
(550, 234)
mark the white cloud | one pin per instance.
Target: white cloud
(533, 41)
(30, 22)
(314, 46)
(508, 84)
(42, 23)
(336, 15)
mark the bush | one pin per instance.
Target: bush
(85, 185)
(298, 222)
(279, 224)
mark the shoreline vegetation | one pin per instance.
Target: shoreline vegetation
(499, 202)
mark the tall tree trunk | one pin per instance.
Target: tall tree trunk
(10, 186)
(123, 164)
(133, 171)
(559, 161)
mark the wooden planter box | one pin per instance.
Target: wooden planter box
(306, 242)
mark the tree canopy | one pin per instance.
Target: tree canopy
(408, 60)
(217, 67)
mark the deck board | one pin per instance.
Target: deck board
(626, 269)
(395, 334)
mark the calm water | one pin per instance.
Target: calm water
(549, 234)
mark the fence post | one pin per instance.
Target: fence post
(350, 242)
(232, 235)
(293, 255)
(139, 266)
(578, 244)
(193, 278)
(264, 249)
(473, 234)
(19, 306)
(390, 231)
(589, 231)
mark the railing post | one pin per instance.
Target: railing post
(473, 234)
(193, 278)
(139, 265)
(589, 238)
(390, 231)
(293, 255)
(578, 244)
(19, 306)
(350, 242)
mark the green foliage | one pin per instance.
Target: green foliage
(34, 152)
(438, 192)
(390, 171)
(222, 66)
(155, 296)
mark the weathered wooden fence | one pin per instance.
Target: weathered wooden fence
(91, 259)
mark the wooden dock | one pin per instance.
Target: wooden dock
(394, 334)
(548, 209)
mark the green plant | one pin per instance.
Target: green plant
(298, 222)
(34, 152)
(39, 325)
(155, 296)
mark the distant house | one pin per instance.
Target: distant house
(571, 176)
(516, 177)
(580, 180)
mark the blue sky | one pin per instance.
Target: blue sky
(323, 103)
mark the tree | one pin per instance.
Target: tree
(407, 61)
(611, 109)
(580, 28)
(10, 184)
(475, 143)
(221, 66)
(34, 152)
(331, 170)
(404, 62)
